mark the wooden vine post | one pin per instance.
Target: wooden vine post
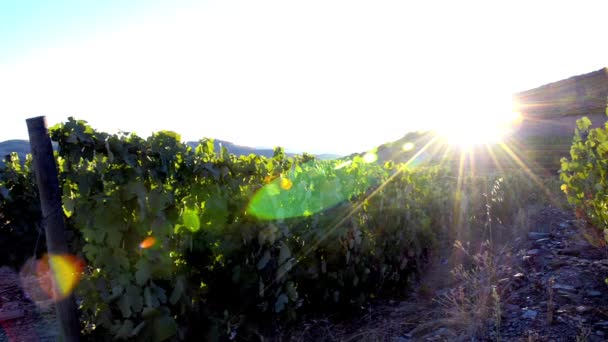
(50, 199)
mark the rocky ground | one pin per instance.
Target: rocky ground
(545, 285)
(560, 294)
(550, 286)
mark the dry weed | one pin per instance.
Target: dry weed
(482, 285)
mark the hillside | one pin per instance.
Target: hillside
(578, 95)
(22, 148)
(553, 109)
(549, 115)
(240, 150)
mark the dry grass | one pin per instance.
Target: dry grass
(483, 279)
(482, 285)
(460, 300)
(584, 333)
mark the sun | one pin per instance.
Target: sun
(474, 127)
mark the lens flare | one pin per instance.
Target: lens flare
(408, 146)
(310, 188)
(38, 277)
(343, 165)
(370, 157)
(148, 242)
(66, 271)
(286, 184)
(513, 117)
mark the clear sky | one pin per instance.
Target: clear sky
(318, 76)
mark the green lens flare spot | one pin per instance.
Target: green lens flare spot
(310, 188)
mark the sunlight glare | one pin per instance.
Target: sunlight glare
(408, 146)
(481, 124)
(370, 157)
(343, 165)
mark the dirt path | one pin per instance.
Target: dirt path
(22, 319)
(560, 294)
(549, 287)
(545, 285)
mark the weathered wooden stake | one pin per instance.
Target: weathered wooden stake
(50, 199)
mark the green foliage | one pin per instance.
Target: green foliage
(193, 243)
(21, 233)
(246, 237)
(584, 174)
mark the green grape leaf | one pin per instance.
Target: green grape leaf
(136, 298)
(283, 270)
(117, 291)
(125, 330)
(261, 288)
(144, 270)
(131, 301)
(158, 201)
(159, 293)
(279, 305)
(583, 123)
(150, 312)
(291, 291)
(114, 237)
(284, 254)
(191, 219)
(125, 306)
(177, 292)
(68, 206)
(264, 260)
(148, 298)
(160, 227)
(94, 235)
(90, 251)
(138, 329)
(172, 134)
(164, 328)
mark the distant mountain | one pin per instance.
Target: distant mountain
(237, 150)
(240, 150)
(403, 149)
(22, 147)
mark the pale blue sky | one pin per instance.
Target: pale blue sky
(320, 76)
(26, 26)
